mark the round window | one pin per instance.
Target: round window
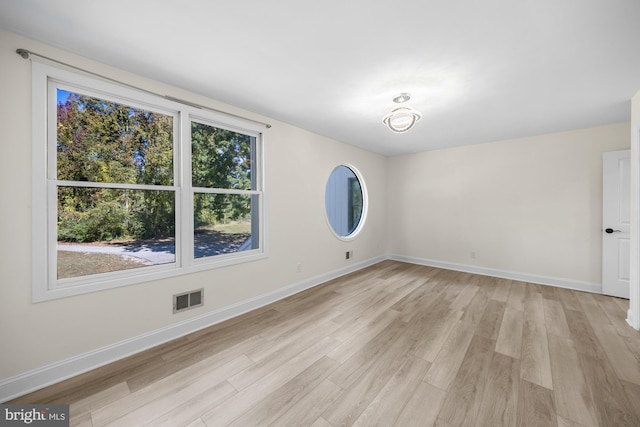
(345, 201)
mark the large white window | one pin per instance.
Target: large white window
(130, 187)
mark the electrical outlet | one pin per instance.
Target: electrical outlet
(348, 255)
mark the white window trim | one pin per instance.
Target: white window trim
(45, 285)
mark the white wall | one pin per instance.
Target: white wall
(33, 336)
(528, 208)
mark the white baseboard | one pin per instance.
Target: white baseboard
(484, 271)
(38, 378)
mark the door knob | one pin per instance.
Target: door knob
(611, 230)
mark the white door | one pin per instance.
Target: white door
(616, 191)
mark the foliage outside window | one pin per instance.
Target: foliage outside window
(355, 203)
(221, 164)
(133, 187)
(98, 141)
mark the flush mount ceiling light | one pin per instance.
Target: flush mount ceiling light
(401, 119)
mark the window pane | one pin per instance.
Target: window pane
(101, 141)
(221, 158)
(224, 223)
(344, 201)
(102, 230)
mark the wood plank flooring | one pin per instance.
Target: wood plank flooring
(391, 345)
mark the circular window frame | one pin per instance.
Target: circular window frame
(365, 204)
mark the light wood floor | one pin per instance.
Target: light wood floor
(392, 345)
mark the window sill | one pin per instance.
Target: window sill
(131, 277)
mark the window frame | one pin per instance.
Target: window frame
(365, 204)
(45, 284)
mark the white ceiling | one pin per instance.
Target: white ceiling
(477, 70)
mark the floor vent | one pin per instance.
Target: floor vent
(188, 300)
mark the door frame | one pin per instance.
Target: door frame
(633, 315)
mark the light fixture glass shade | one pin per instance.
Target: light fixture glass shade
(403, 97)
(401, 119)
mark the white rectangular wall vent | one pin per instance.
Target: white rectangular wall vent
(188, 300)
